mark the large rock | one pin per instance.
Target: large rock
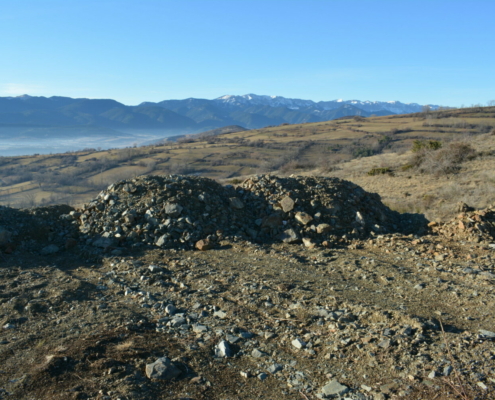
(162, 368)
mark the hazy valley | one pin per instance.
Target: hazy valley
(30, 125)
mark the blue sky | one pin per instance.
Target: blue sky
(437, 52)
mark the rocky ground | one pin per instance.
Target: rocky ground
(293, 288)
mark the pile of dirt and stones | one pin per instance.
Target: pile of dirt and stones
(472, 225)
(180, 211)
(43, 230)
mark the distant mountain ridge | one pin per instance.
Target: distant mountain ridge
(255, 111)
(185, 116)
(395, 107)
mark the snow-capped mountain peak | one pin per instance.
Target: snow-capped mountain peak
(251, 99)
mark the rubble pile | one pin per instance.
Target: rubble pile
(319, 209)
(186, 211)
(36, 230)
(472, 226)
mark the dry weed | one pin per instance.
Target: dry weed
(125, 346)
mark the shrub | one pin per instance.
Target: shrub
(446, 160)
(384, 140)
(380, 171)
(363, 152)
(429, 145)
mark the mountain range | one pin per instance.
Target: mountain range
(184, 116)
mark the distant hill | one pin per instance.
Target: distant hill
(65, 111)
(222, 131)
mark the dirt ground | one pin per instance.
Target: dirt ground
(390, 316)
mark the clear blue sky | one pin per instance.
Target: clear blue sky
(437, 52)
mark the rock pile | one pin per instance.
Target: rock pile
(184, 211)
(472, 226)
(320, 209)
(36, 230)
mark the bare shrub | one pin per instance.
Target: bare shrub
(446, 160)
(380, 171)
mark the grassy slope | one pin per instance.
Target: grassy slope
(323, 148)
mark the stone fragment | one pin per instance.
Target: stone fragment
(162, 240)
(170, 309)
(270, 335)
(162, 368)
(262, 376)
(289, 236)
(487, 334)
(303, 218)
(103, 242)
(334, 388)
(366, 387)
(177, 321)
(50, 249)
(287, 204)
(274, 368)
(236, 203)
(298, 343)
(222, 349)
(198, 328)
(272, 221)
(360, 219)
(232, 338)
(258, 353)
(220, 314)
(204, 244)
(246, 334)
(308, 243)
(172, 209)
(487, 275)
(323, 228)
